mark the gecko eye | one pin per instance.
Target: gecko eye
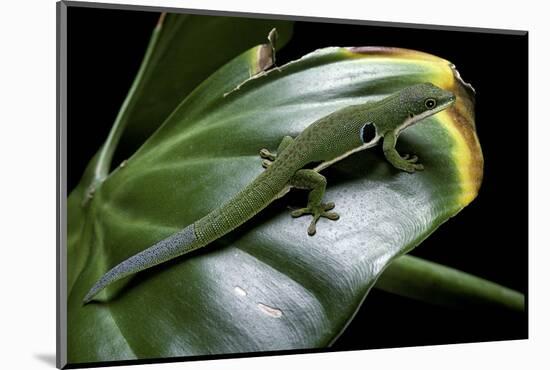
(429, 103)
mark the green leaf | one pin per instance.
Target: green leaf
(267, 285)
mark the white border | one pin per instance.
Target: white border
(27, 153)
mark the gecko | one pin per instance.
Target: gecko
(297, 163)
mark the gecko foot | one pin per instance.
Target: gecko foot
(410, 164)
(317, 212)
(410, 158)
(268, 157)
(266, 154)
(412, 167)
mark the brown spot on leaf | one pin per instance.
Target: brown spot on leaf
(264, 58)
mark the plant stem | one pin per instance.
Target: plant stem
(430, 282)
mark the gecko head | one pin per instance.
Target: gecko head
(423, 100)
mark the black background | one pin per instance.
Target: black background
(488, 238)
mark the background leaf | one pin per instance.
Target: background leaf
(266, 286)
(183, 51)
(189, 48)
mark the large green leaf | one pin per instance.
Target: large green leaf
(267, 285)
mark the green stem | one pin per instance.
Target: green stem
(431, 282)
(105, 157)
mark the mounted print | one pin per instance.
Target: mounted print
(254, 184)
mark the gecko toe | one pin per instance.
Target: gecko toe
(328, 206)
(312, 229)
(300, 212)
(331, 215)
(266, 154)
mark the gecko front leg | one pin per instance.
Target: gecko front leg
(316, 183)
(405, 163)
(269, 157)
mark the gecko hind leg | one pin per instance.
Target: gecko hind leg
(268, 157)
(316, 183)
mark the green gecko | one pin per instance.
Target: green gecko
(323, 143)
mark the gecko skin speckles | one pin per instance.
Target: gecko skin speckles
(158, 253)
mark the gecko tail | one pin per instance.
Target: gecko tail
(175, 245)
